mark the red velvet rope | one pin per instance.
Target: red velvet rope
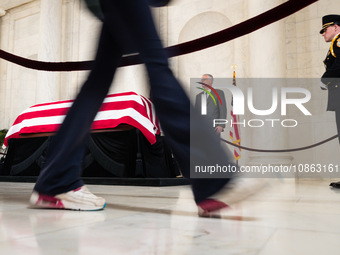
(214, 39)
(284, 150)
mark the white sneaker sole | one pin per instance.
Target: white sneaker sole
(64, 201)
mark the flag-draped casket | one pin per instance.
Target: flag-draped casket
(137, 151)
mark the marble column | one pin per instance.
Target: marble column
(48, 86)
(267, 60)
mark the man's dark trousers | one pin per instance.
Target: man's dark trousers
(129, 20)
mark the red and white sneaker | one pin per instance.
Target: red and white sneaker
(235, 191)
(80, 199)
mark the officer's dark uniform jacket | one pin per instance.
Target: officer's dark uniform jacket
(331, 78)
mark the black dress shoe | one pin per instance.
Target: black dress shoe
(335, 185)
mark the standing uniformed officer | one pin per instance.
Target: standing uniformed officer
(331, 78)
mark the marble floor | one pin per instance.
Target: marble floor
(286, 218)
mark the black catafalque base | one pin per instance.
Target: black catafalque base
(112, 158)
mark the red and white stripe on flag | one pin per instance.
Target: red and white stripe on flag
(235, 135)
(119, 108)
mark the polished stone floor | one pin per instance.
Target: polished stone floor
(286, 218)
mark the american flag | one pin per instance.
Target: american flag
(235, 129)
(119, 108)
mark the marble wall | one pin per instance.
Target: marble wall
(19, 35)
(291, 48)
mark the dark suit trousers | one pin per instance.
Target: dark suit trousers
(62, 169)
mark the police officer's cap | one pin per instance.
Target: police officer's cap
(329, 20)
